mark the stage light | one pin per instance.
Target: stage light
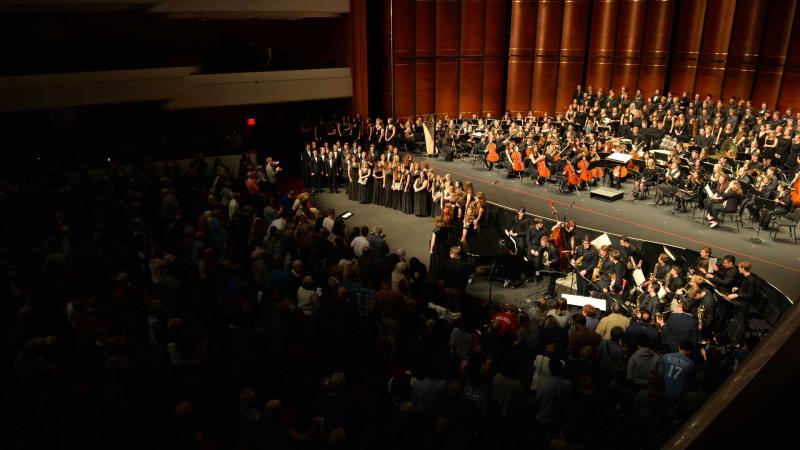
(251, 122)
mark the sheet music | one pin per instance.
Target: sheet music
(669, 253)
(580, 301)
(601, 240)
(712, 262)
(638, 277)
(662, 292)
(708, 190)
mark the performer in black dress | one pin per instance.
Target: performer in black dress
(379, 184)
(352, 177)
(441, 242)
(421, 196)
(398, 179)
(408, 192)
(363, 183)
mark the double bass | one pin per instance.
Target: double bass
(556, 236)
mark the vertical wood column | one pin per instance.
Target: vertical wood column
(740, 68)
(546, 51)
(495, 49)
(655, 49)
(790, 86)
(471, 62)
(447, 50)
(630, 27)
(573, 49)
(388, 64)
(687, 45)
(520, 55)
(403, 29)
(358, 59)
(714, 48)
(425, 51)
(772, 56)
(601, 43)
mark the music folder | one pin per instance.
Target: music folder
(669, 253)
(580, 301)
(621, 158)
(638, 277)
(601, 240)
(708, 190)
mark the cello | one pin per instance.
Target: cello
(583, 167)
(516, 158)
(795, 187)
(491, 151)
(572, 177)
(541, 166)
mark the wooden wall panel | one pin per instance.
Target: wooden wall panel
(496, 33)
(404, 87)
(601, 43)
(518, 91)
(628, 46)
(655, 48)
(573, 49)
(494, 77)
(388, 70)
(772, 56)
(425, 28)
(447, 29)
(740, 68)
(446, 86)
(472, 27)
(522, 35)
(790, 85)
(546, 52)
(425, 70)
(687, 45)
(714, 48)
(404, 20)
(470, 85)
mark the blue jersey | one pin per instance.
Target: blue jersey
(675, 367)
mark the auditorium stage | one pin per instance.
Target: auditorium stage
(413, 234)
(776, 261)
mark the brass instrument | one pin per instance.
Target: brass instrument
(546, 259)
(701, 312)
(596, 270)
(579, 261)
(659, 318)
(667, 279)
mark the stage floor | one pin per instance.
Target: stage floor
(776, 261)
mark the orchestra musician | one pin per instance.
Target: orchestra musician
(649, 177)
(726, 202)
(584, 260)
(742, 297)
(519, 230)
(546, 258)
(783, 204)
